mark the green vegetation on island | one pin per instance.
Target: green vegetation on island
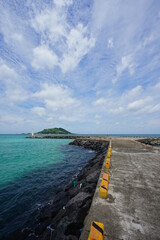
(54, 131)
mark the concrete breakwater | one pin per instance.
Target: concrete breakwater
(132, 207)
(149, 141)
(62, 218)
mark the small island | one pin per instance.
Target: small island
(54, 131)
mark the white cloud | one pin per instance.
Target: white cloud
(126, 63)
(156, 86)
(14, 29)
(130, 103)
(59, 105)
(99, 17)
(139, 104)
(11, 119)
(78, 45)
(55, 39)
(110, 43)
(44, 57)
(18, 37)
(56, 97)
(97, 116)
(70, 118)
(155, 108)
(8, 27)
(51, 24)
(71, 43)
(6, 72)
(133, 93)
(16, 94)
(100, 102)
(13, 94)
(13, 89)
(40, 111)
(61, 3)
(116, 110)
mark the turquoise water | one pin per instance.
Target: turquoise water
(31, 172)
(19, 155)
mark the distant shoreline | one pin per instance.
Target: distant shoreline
(153, 141)
(73, 135)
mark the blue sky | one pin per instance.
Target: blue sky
(87, 66)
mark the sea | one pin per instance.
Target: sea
(31, 172)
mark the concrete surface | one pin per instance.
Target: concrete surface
(132, 208)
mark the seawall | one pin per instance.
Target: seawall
(132, 208)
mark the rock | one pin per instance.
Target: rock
(19, 234)
(67, 212)
(93, 177)
(89, 188)
(41, 227)
(78, 200)
(150, 141)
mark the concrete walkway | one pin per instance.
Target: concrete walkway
(132, 208)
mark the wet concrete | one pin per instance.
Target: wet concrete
(132, 208)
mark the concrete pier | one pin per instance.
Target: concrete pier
(132, 208)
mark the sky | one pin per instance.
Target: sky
(89, 66)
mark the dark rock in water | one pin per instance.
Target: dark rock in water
(47, 213)
(63, 218)
(20, 234)
(41, 227)
(51, 210)
(32, 236)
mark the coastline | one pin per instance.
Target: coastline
(64, 216)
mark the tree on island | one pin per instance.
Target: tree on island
(54, 131)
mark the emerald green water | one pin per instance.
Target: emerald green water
(19, 155)
(31, 172)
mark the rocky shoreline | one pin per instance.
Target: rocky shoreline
(150, 141)
(62, 218)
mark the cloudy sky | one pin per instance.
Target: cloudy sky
(90, 66)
